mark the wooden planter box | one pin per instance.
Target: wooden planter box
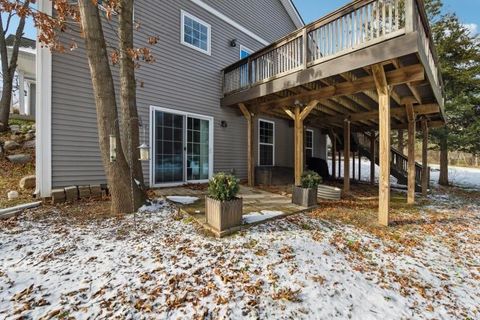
(305, 197)
(223, 215)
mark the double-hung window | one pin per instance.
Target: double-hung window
(309, 143)
(196, 33)
(266, 143)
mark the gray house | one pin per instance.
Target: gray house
(189, 133)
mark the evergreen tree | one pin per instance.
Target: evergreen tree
(459, 54)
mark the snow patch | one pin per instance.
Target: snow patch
(182, 199)
(254, 217)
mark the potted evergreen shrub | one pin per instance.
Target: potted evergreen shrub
(305, 195)
(223, 209)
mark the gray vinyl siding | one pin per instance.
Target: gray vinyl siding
(266, 18)
(181, 78)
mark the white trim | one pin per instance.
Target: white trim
(243, 48)
(182, 32)
(152, 146)
(230, 21)
(293, 13)
(268, 144)
(313, 143)
(43, 111)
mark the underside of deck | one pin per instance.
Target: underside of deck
(370, 66)
(345, 88)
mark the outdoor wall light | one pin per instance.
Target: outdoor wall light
(144, 152)
(224, 124)
(233, 43)
(113, 148)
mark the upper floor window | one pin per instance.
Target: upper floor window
(244, 52)
(309, 143)
(196, 33)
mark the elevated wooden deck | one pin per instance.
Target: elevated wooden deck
(369, 66)
(329, 62)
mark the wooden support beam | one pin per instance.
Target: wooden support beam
(425, 157)
(372, 161)
(346, 156)
(384, 150)
(411, 154)
(419, 109)
(298, 146)
(353, 165)
(250, 157)
(289, 113)
(394, 77)
(339, 164)
(359, 166)
(305, 112)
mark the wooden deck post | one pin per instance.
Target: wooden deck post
(339, 164)
(411, 153)
(353, 165)
(298, 117)
(250, 156)
(298, 146)
(372, 161)
(359, 166)
(346, 156)
(384, 137)
(425, 174)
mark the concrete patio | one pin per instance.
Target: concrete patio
(258, 205)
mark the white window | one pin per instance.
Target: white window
(266, 143)
(245, 52)
(196, 33)
(309, 143)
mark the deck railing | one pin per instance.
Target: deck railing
(356, 25)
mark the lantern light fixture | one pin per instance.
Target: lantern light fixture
(113, 148)
(144, 152)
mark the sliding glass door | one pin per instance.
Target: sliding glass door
(198, 144)
(182, 147)
(169, 153)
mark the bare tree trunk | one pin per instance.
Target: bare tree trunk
(130, 122)
(401, 143)
(8, 68)
(5, 102)
(122, 187)
(443, 179)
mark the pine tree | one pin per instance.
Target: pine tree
(459, 55)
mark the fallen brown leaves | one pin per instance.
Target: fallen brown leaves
(287, 294)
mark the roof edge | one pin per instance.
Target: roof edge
(293, 13)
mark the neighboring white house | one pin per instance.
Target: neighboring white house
(26, 75)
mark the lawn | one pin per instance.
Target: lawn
(335, 262)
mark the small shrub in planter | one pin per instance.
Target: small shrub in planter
(223, 209)
(305, 195)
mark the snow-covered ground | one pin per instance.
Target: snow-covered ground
(468, 178)
(458, 176)
(158, 265)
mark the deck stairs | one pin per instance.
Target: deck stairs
(398, 164)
